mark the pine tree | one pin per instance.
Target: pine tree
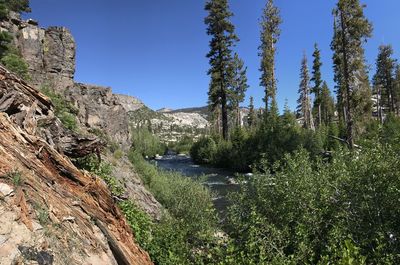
(384, 81)
(251, 120)
(304, 107)
(351, 30)
(238, 87)
(220, 56)
(327, 105)
(288, 118)
(18, 6)
(270, 33)
(397, 90)
(317, 79)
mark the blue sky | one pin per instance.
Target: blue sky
(155, 49)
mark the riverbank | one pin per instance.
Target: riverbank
(219, 181)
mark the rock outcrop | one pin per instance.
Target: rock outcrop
(129, 103)
(100, 109)
(51, 212)
(49, 52)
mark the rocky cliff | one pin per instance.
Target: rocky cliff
(49, 52)
(51, 212)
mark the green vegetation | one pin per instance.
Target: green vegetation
(184, 234)
(15, 177)
(63, 109)
(183, 146)
(147, 144)
(18, 6)
(104, 170)
(313, 212)
(228, 75)
(11, 58)
(16, 64)
(247, 146)
(270, 33)
(9, 55)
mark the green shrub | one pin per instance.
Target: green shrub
(16, 64)
(139, 222)
(63, 109)
(118, 154)
(183, 146)
(190, 220)
(147, 144)
(104, 170)
(223, 156)
(311, 212)
(203, 151)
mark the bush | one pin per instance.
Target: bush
(64, 110)
(312, 212)
(16, 64)
(139, 221)
(146, 144)
(203, 151)
(104, 170)
(183, 146)
(190, 220)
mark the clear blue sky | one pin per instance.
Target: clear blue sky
(155, 49)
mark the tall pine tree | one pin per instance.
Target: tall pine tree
(384, 81)
(270, 33)
(251, 118)
(397, 89)
(327, 105)
(304, 101)
(351, 30)
(238, 87)
(317, 80)
(220, 56)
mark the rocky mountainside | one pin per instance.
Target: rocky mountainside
(51, 212)
(50, 54)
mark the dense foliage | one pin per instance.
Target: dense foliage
(247, 146)
(314, 212)
(13, 5)
(147, 144)
(187, 227)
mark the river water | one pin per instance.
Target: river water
(218, 180)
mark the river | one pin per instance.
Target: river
(220, 181)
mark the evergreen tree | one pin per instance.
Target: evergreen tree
(304, 107)
(327, 105)
(384, 81)
(252, 114)
(220, 56)
(238, 87)
(317, 79)
(270, 33)
(397, 90)
(288, 118)
(351, 30)
(18, 6)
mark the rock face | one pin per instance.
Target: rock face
(50, 52)
(129, 103)
(51, 212)
(100, 109)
